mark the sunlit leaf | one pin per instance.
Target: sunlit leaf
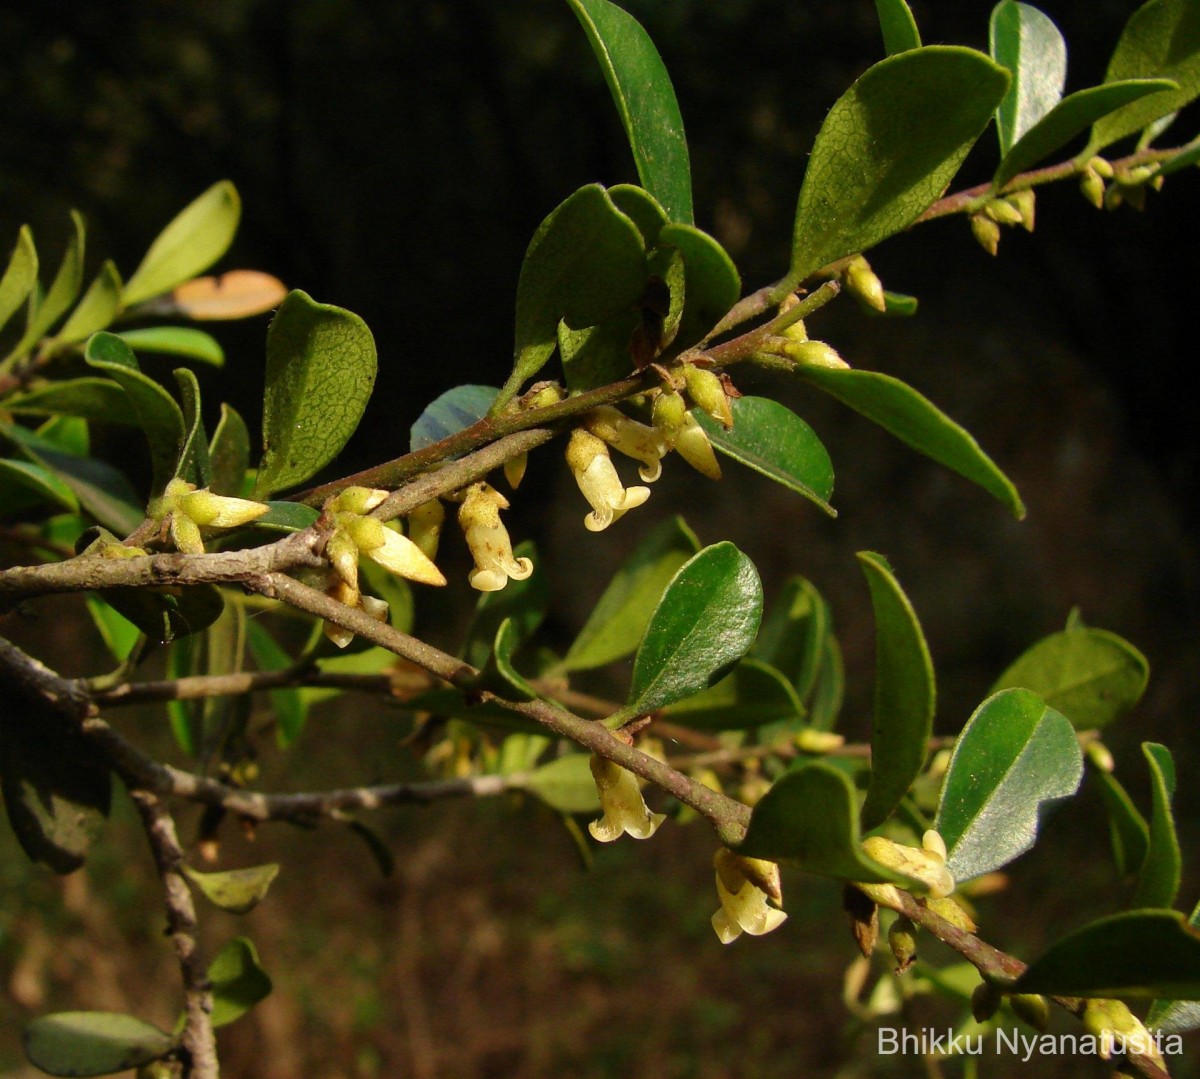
(898, 25)
(237, 891)
(183, 341)
(61, 293)
(20, 275)
(97, 308)
(1026, 42)
(565, 784)
(1158, 879)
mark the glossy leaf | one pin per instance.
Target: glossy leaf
(450, 413)
(711, 282)
(888, 148)
(1014, 757)
(194, 464)
(229, 453)
(793, 634)
(771, 439)
(645, 100)
(238, 981)
(565, 784)
(97, 308)
(753, 694)
(619, 619)
(1158, 879)
(898, 25)
(705, 622)
(1176, 1016)
(160, 417)
(237, 891)
(902, 720)
(585, 263)
(1138, 953)
(99, 399)
(183, 341)
(1090, 675)
(524, 602)
(198, 235)
(288, 703)
(60, 295)
(93, 1043)
(39, 480)
(1161, 40)
(234, 294)
(1127, 827)
(904, 413)
(118, 633)
(20, 275)
(321, 365)
(1026, 42)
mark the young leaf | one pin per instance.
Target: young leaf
(771, 439)
(1138, 953)
(565, 784)
(1128, 829)
(235, 294)
(645, 99)
(903, 412)
(92, 398)
(118, 633)
(1014, 756)
(289, 705)
(176, 341)
(1158, 879)
(1176, 1016)
(498, 675)
(41, 481)
(287, 517)
(620, 617)
(320, 372)
(1090, 675)
(888, 148)
(61, 293)
(450, 413)
(1029, 45)
(825, 703)
(229, 453)
(199, 235)
(1161, 40)
(705, 622)
(97, 308)
(93, 1043)
(898, 25)
(238, 982)
(194, 464)
(753, 694)
(793, 634)
(711, 282)
(585, 262)
(238, 891)
(902, 720)
(20, 275)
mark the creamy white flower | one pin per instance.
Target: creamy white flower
(746, 886)
(488, 539)
(597, 477)
(633, 439)
(693, 445)
(625, 811)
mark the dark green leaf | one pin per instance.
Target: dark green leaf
(229, 453)
(194, 464)
(40, 480)
(645, 100)
(498, 675)
(176, 341)
(1158, 879)
(565, 784)
(524, 602)
(898, 25)
(888, 148)
(597, 355)
(286, 517)
(825, 703)
(642, 208)
(238, 891)
(20, 275)
(1027, 43)
(711, 282)
(753, 694)
(93, 1043)
(1176, 1016)
(291, 710)
(450, 413)
(1161, 40)
(1014, 757)
(793, 634)
(97, 308)
(773, 440)
(620, 617)
(166, 614)
(197, 236)
(706, 621)
(320, 372)
(238, 982)
(61, 293)
(904, 693)
(1138, 953)
(92, 398)
(903, 412)
(1128, 828)
(118, 633)
(1090, 675)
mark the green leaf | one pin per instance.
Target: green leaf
(238, 982)
(524, 602)
(809, 818)
(1176, 1016)
(160, 417)
(289, 705)
(597, 355)
(466, 706)
(237, 891)
(450, 413)
(1186, 157)
(20, 275)
(194, 464)
(825, 702)
(705, 621)
(99, 399)
(565, 784)
(1090, 675)
(711, 282)
(585, 263)
(164, 615)
(619, 619)
(1070, 117)
(898, 25)
(645, 99)
(229, 453)
(773, 440)
(286, 517)
(793, 634)
(904, 413)
(61, 293)
(41, 481)
(199, 235)
(753, 694)
(183, 341)
(1161, 40)
(888, 148)
(320, 372)
(642, 208)
(1129, 831)
(93, 1043)
(1014, 756)
(1138, 953)
(904, 693)
(498, 675)
(896, 305)
(97, 308)
(1158, 879)
(1027, 43)
(117, 632)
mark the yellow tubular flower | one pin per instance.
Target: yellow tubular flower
(351, 597)
(629, 437)
(625, 811)
(354, 535)
(597, 477)
(750, 894)
(399, 555)
(495, 563)
(191, 509)
(425, 526)
(693, 446)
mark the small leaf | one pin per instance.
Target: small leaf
(902, 720)
(1090, 675)
(1029, 45)
(825, 702)
(320, 372)
(176, 341)
(20, 276)
(238, 982)
(705, 621)
(1176, 1016)
(565, 784)
(1129, 831)
(199, 235)
(904, 413)
(97, 308)
(286, 517)
(1014, 756)
(59, 296)
(234, 294)
(711, 282)
(793, 634)
(166, 614)
(117, 632)
(1138, 953)
(898, 25)
(773, 440)
(1158, 879)
(237, 891)
(41, 481)
(291, 710)
(229, 453)
(99, 399)
(93, 1043)
(888, 148)
(642, 208)
(645, 99)
(753, 694)
(194, 464)
(498, 675)
(896, 305)
(619, 619)
(450, 413)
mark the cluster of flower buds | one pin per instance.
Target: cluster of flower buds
(1092, 180)
(794, 343)
(1129, 185)
(750, 894)
(863, 284)
(926, 864)
(188, 510)
(1017, 208)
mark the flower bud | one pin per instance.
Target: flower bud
(707, 391)
(1002, 212)
(902, 939)
(668, 415)
(1100, 167)
(1115, 1028)
(1032, 1008)
(863, 283)
(986, 231)
(951, 910)
(425, 526)
(693, 445)
(629, 437)
(1092, 187)
(1100, 756)
(816, 354)
(366, 532)
(925, 865)
(514, 469)
(357, 500)
(1025, 203)
(810, 740)
(985, 1001)
(185, 534)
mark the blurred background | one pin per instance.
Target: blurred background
(395, 158)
